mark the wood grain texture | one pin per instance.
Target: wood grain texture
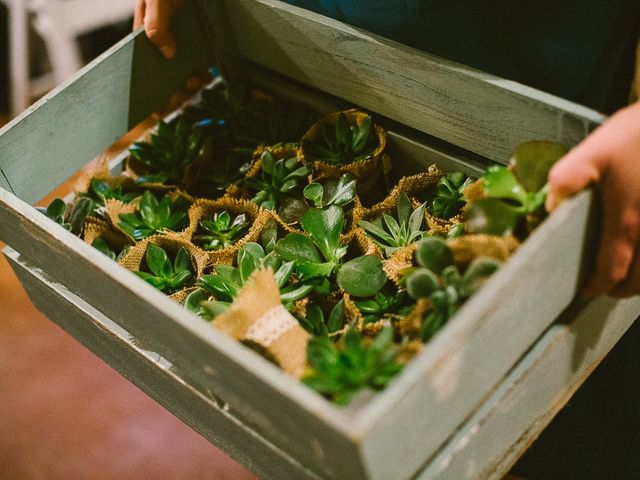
(83, 116)
(155, 376)
(465, 107)
(290, 415)
(503, 428)
(468, 359)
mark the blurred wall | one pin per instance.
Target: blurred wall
(4, 67)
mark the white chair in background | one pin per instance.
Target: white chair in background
(59, 23)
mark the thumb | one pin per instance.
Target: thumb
(573, 173)
(157, 25)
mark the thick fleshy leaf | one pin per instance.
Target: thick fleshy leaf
(324, 228)
(362, 276)
(298, 248)
(249, 259)
(292, 209)
(375, 230)
(415, 220)
(316, 318)
(336, 317)
(194, 300)
(404, 209)
(340, 192)
(80, 211)
(531, 162)
(158, 261)
(421, 283)
(148, 205)
(182, 261)
(283, 273)
(479, 270)
(499, 182)
(434, 254)
(314, 192)
(296, 292)
(491, 216)
(180, 279)
(309, 270)
(55, 210)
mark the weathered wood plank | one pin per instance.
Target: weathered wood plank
(155, 376)
(499, 432)
(465, 107)
(468, 359)
(74, 123)
(290, 415)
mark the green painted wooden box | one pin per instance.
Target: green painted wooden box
(469, 404)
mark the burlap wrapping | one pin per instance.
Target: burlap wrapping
(408, 350)
(115, 208)
(474, 191)
(181, 296)
(95, 228)
(204, 209)
(465, 249)
(284, 150)
(259, 320)
(412, 186)
(366, 171)
(411, 325)
(399, 261)
(352, 314)
(171, 243)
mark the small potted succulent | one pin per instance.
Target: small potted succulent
(221, 231)
(345, 142)
(153, 215)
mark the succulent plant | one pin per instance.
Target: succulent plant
(278, 179)
(449, 197)
(221, 231)
(340, 370)
(103, 246)
(516, 193)
(317, 323)
(154, 215)
(169, 151)
(391, 234)
(71, 216)
(343, 142)
(383, 305)
(339, 191)
(164, 274)
(439, 279)
(100, 190)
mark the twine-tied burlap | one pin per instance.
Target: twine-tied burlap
(205, 209)
(365, 171)
(258, 319)
(134, 260)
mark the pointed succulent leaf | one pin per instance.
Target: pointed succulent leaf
(182, 261)
(158, 261)
(309, 270)
(295, 292)
(194, 300)
(283, 273)
(56, 210)
(80, 210)
(404, 209)
(336, 317)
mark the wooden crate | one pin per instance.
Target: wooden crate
(469, 404)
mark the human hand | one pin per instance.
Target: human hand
(610, 158)
(156, 16)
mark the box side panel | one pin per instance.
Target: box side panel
(467, 108)
(287, 413)
(495, 437)
(469, 358)
(155, 376)
(82, 117)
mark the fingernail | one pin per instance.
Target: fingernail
(168, 51)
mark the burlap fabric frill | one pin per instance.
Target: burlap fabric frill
(258, 319)
(366, 171)
(412, 186)
(204, 209)
(115, 208)
(95, 228)
(171, 243)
